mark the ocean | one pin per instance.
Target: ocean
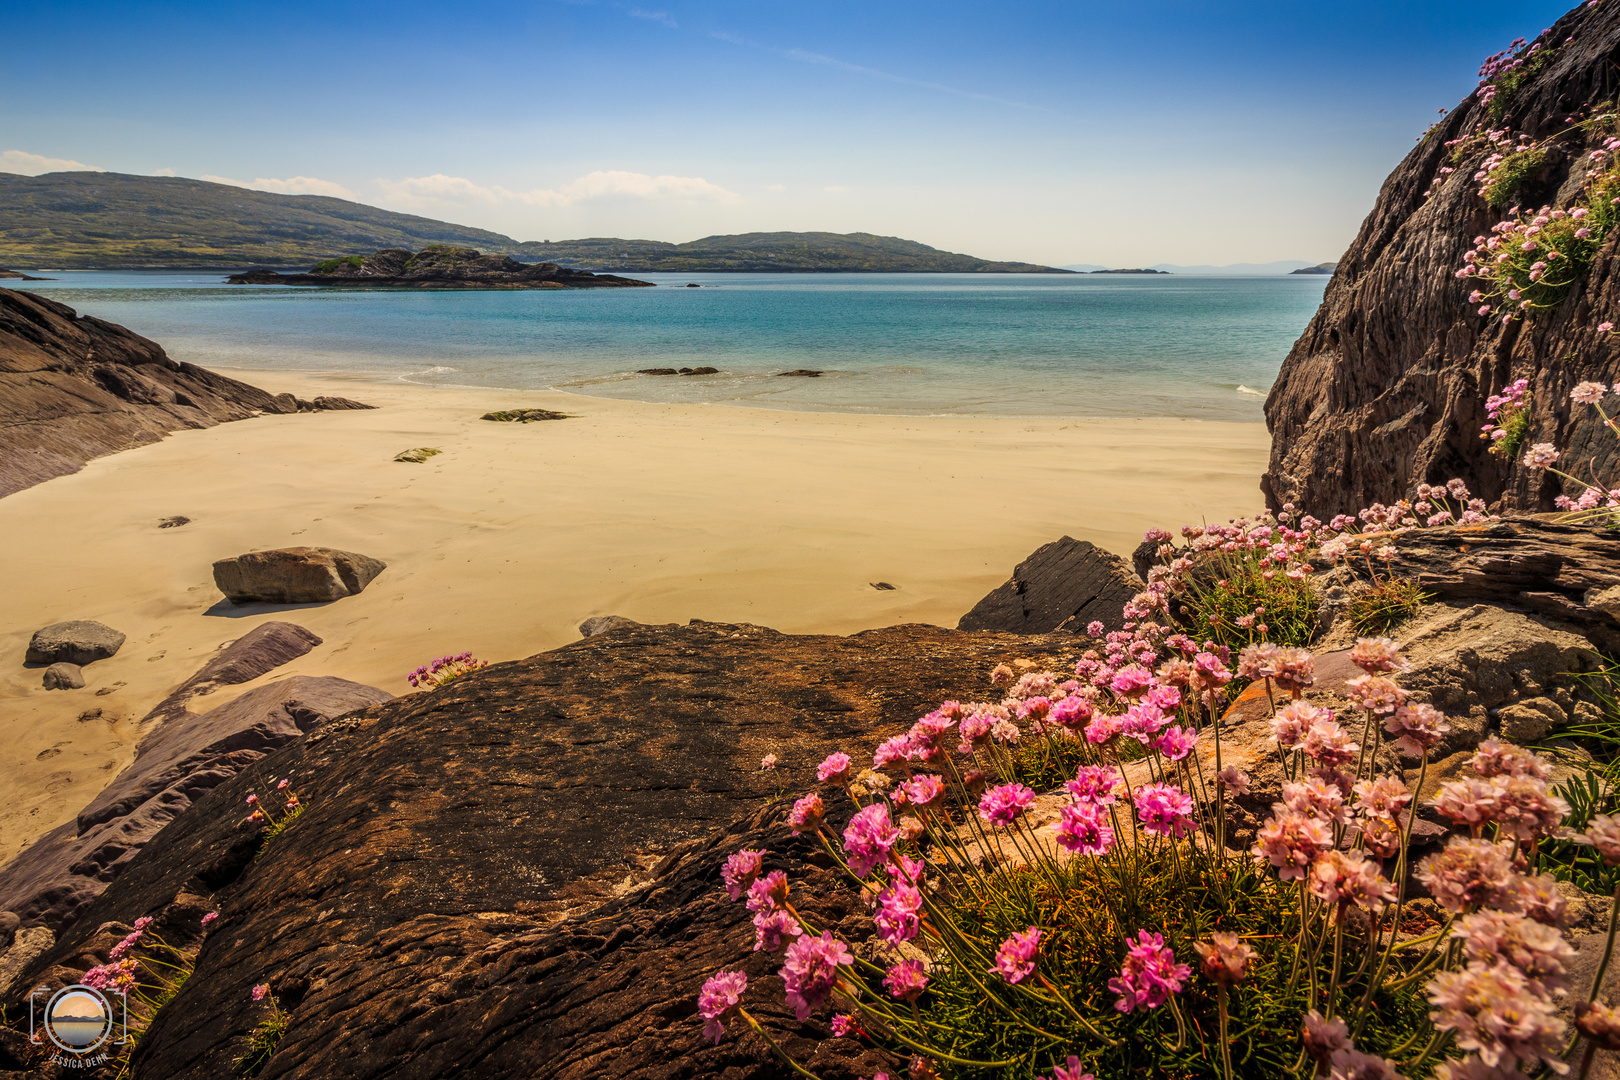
(909, 344)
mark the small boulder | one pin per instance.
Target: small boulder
(699, 371)
(1067, 583)
(82, 641)
(295, 575)
(339, 404)
(64, 677)
(523, 416)
(1606, 601)
(1529, 720)
(419, 455)
(174, 522)
(602, 624)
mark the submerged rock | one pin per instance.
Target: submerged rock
(83, 641)
(295, 575)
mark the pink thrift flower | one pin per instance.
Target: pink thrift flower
(834, 770)
(768, 761)
(1015, 957)
(923, 791)
(260, 991)
(1377, 655)
(282, 786)
(906, 980)
(807, 814)
(811, 970)
(1082, 830)
(843, 1026)
(769, 892)
(1225, 958)
(1294, 720)
(1605, 327)
(252, 800)
(1163, 809)
(1497, 758)
(740, 871)
(1234, 780)
(1291, 842)
(1001, 806)
(869, 838)
(1149, 974)
(773, 928)
(896, 918)
(210, 917)
(1131, 680)
(1072, 1072)
(719, 1000)
(1096, 783)
(1468, 873)
(1175, 743)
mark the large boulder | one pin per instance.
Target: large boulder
(295, 575)
(1063, 585)
(80, 642)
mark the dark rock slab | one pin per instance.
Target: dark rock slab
(524, 416)
(64, 677)
(295, 575)
(698, 371)
(263, 648)
(73, 388)
(806, 373)
(439, 266)
(1065, 584)
(182, 760)
(517, 874)
(80, 642)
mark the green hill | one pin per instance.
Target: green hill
(78, 220)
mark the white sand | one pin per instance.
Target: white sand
(506, 541)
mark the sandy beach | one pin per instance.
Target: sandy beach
(503, 543)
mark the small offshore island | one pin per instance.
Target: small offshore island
(438, 266)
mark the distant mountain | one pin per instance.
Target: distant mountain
(1319, 268)
(779, 251)
(77, 220)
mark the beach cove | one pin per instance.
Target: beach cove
(503, 543)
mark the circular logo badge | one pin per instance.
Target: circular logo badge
(78, 1019)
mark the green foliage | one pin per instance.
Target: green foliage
(1514, 170)
(262, 1042)
(1514, 428)
(1386, 605)
(1085, 909)
(1227, 589)
(330, 265)
(1508, 82)
(1044, 764)
(1594, 790)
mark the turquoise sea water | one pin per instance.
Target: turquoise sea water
(1081, 345)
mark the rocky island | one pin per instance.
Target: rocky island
(438, 266)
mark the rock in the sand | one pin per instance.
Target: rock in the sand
(656, 371)
(1065, 584)
(698, 371)
(524, 416)
(64, 677)
(82, 641)
(419, 455)
(295, 575)
(174, 522)
(807, 373)
(320, 404)
(605, 624)
(30, 943)
(882, 586)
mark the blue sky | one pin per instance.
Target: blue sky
(1113, 133)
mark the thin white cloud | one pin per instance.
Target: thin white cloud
(874, 73)
(21, 161)
(775, 187)
(662, 18)
(836, 189)
(600, 185)
(165, 171)
(293, 185)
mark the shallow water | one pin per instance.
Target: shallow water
(1080, 345)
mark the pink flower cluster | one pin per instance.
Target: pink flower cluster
(1149, 974)
(444, 669)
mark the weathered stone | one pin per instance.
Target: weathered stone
(80, 642)
(524, 416)
(295, 575)
(8, 927)
(64, 677)
(1065, 584)
(174, 522)
(1605, 600)
(264, 648)
(1530, 719)
(606, 624)
(803, 373)
(1386, 388)
(73, 388)
(178, 763)
(419, 455)
(699, 371)
(27, 946)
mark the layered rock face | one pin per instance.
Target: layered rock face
(73, 388)
(1386, 388)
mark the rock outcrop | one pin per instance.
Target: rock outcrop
(295, 575)
(543, 836)
(439, 266)
(80, 642)
(1386, 388)
(73, 388)
(180, 760)
(1066, 584)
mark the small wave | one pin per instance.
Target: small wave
(1246, 390)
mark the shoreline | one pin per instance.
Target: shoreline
(507, 540)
